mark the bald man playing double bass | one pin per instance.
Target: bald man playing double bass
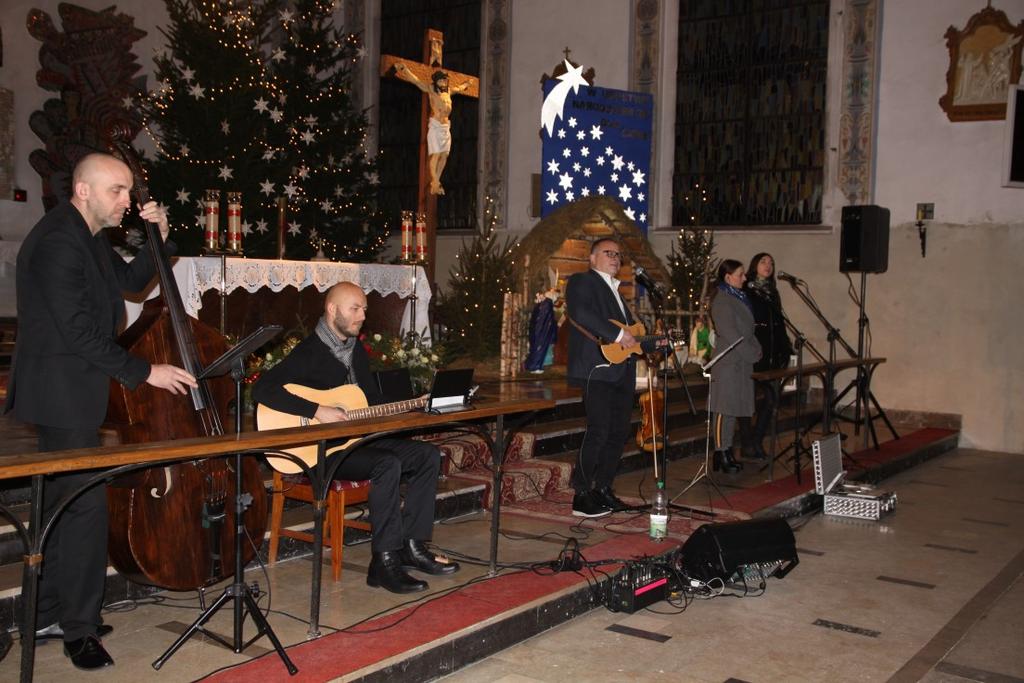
(70, 309)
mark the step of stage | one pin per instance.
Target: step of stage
(448, 632)
(455, 499)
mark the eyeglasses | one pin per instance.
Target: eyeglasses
(611, 254)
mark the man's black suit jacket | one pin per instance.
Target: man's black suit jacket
(590, 302)
(70, 307)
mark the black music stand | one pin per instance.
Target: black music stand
(703, 470)
(799, 432)
(237, 592)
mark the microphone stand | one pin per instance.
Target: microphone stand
(237, 593)
(657, 305)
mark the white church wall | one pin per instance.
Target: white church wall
(541, 30)
(946, 322)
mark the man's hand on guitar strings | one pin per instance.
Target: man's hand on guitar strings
(330, 414)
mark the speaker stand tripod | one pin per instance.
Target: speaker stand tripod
(238, 593)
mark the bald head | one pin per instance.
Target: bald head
(92, 166)
(345, 309)
(99, 190)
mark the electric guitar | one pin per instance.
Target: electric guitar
(347, 396)
(615, 354)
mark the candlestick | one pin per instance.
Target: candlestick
(211, 212)
(282, 206)
(235, 222)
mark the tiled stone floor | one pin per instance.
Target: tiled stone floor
(958, 529)
(933, 592)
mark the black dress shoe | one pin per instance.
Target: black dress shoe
(386, 572)
(55, 632)
(87, 653)
(416, 555)
(587, 504)
(608, 498)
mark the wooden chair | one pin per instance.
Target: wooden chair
(342, 493)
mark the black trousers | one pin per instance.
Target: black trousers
(770, 392)
(74, 567)
(609, 407)
(386, 463)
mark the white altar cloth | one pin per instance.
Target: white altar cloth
(198, 274)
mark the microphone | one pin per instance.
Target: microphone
(791, 279)
(641, 276)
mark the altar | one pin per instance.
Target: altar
(290, 293)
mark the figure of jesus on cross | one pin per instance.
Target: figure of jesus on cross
(439, 128)
(438, 85)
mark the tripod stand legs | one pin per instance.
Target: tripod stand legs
(243, 602)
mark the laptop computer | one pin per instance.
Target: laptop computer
(450, 391)
(394, 384)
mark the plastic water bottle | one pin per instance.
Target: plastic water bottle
(659, 513)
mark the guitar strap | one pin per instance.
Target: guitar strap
(586, 333)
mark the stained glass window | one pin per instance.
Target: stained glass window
(750, 112)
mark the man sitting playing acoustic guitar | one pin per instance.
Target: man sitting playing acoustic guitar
(333, 356)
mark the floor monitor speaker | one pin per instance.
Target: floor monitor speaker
(718, 551)
(864, 241)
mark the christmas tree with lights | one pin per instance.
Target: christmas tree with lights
(692, 254)
(472, 307)
(255, 98)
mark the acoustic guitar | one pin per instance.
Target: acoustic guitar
(615, 354)
(347, 396)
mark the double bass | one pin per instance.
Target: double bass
(174, 526)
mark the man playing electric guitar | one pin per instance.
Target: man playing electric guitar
(333, 356)
(599, 316)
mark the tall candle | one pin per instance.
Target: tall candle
(234, 222)
(406, 235)
(421, 236)
(211, 212)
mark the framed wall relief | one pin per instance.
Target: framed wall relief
(984, 60)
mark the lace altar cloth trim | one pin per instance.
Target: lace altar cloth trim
(196, 275)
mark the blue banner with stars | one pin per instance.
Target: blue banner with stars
(599, 146)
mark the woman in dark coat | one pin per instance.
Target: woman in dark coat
(732, 389)
(770, 328)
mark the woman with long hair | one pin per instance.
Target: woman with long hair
(770, 328)
(732, 389)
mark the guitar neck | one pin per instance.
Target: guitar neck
(385, 409)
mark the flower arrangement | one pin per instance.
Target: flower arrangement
(412, 351)
(259, 363)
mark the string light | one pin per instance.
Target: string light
(303, 79)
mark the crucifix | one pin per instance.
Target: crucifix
(435, 139)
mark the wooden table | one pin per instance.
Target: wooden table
(117, 460)
(827, 372)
